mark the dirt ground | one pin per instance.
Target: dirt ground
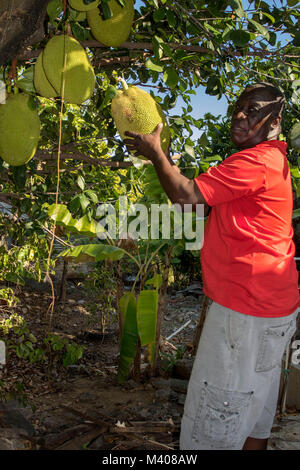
(82, 406)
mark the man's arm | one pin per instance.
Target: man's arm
(179, 188)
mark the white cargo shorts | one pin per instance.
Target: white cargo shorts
(234, 384)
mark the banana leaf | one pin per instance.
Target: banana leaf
(147, 304)
(155, 281)
(62, 215)
(97, 252)
(130, 336)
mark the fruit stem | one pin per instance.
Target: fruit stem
(123, 83)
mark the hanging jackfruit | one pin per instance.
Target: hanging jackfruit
(19, 130)
(294, 137)
(115, 30)
(135, 110)
(65, 54)
(80, 16)
(41, 82)
(82, 6)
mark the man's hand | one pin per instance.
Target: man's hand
(148, 145)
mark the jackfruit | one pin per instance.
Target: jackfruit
(81, 6)
(80, 16)
(294, 137)
(41, 82)
(19, 130)
(79, 77)
(135, 110)
(115, 30)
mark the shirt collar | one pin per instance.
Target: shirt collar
(280, 144)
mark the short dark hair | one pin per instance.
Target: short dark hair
(277, 97)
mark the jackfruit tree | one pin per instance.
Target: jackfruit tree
(68, 58)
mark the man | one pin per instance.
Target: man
(248, 272)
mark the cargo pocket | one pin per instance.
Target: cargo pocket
(220, 416)
(272, 345)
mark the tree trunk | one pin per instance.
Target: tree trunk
(21, 25)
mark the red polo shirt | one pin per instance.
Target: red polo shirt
(247, 256)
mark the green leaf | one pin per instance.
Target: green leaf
(81, 182)
(159, 14)
(26, 83)
(129, 339)
(92, 195)
(19, 176)
(54, 9)
(84, 201)
(237, 7)
(98, 251)
(260, 28)
(296, 213)
(147, 304)
(106, 11)
(240, 37)
(292, 3)
(154, 64)
(203, 141)
(110, 93)
(79, 32)
(155, 281)
(296, 40)
(170, 77)
(171, 18)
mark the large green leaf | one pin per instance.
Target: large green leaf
(97, 251)
(62, 215)
(129, 336)
(147, 304)
(155, 281)
(240, 37)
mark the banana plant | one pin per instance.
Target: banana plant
(138, 313)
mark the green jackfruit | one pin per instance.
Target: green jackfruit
(19, 130)
(114, 31)
(81, 16)
(81, 6)
(79, 73)
(41, 82)
(294, 137)
(135, 110)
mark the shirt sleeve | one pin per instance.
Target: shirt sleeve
(238, 176)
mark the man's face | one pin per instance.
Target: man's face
(252, 119)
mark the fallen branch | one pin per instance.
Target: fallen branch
(179, 329)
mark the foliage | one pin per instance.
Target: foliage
(18, 339)
(176, 48)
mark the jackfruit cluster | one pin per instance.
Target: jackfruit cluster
(19, 130)
(64, 69)
(133, 109)
(114, 31)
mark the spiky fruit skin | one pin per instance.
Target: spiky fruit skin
(19, 130)
(41, 82)
(81, 6)
(135, 110)
(79, 73)
(294, 137)
(114, 31)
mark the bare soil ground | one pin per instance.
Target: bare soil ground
(82, 406)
